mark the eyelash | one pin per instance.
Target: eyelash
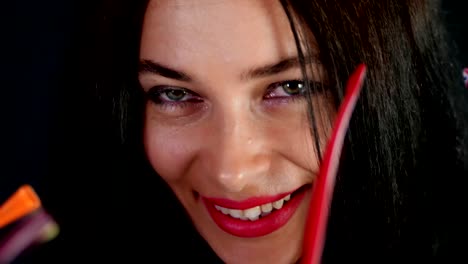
(273, 87)
(156, 93)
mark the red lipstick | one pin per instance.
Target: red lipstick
(248, 203)
(263, 226)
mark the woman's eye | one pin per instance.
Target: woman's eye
(293, 89)
(162, 95)
(286, 89)
(174, 94)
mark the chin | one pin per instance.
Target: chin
(283, 245)
(284, 255)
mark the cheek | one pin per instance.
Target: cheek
(296, 134)
(169, 151)
(324, 116)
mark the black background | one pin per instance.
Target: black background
(47, 121)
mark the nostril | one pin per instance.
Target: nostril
(196, 195)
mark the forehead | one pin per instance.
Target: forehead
(188, 32)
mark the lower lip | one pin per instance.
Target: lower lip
(263, 226)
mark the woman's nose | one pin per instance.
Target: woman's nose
(240, 153)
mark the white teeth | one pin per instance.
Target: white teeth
(265, 214)
(254, 213)
(278, 204)
(266, 208)
(222, 209)
(235, 213)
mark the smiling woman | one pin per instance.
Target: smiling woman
(220, 119)
(230, 104)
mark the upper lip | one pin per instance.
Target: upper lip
(247, 203)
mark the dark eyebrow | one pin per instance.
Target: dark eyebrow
(281, 66)
(149, 66)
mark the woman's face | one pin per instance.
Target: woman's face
(226, 123)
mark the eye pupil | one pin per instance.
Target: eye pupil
(175, 94)
(293, 88)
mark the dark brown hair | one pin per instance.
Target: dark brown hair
(402, 191)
